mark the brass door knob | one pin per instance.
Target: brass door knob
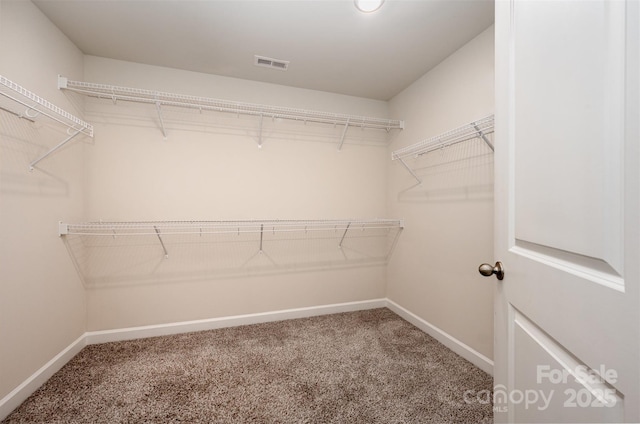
(489, 270)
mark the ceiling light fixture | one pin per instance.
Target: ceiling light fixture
(368, 6)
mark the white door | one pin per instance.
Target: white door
(567, 223)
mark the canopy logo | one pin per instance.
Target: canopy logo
(593, 390)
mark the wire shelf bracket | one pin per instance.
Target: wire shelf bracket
(115, 93)
(161, 121)
(35, 106)
(344, 133)
(473, 130)
(164, 248)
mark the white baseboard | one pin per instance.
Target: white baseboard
(24, 390)
(95, 337)
(468, 353)
(37, 379)
(451, 342)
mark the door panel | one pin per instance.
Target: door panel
(567, 196)
(555, 380)
(567, 122)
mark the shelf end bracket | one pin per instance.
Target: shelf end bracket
(63, 82)
(63, 229)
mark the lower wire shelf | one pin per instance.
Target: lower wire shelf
(131, 250)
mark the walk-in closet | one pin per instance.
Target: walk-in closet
(173, 168)
(141, 200)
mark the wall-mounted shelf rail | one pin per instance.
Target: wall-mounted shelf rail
(22, 103)
(473, 130)
(160, 99)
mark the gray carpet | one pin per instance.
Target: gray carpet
(357, 367)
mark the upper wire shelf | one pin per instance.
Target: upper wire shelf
(473, 130)
(34, 107)
(160, 99)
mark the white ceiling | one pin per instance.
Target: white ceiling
(331, 46)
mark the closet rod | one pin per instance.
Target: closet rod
(116, 93)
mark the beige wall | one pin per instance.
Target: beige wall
(210, 168)
(449, 218)
(42, 301)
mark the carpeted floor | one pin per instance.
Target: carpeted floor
(357, 367)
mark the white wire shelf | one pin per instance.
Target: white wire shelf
(107, 253)
(132, 228)
(473, 130)
(15, 98)
(159, 99)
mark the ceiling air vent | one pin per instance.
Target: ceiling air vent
(271, 63)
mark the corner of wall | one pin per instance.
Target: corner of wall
(43, 304)
(449, 216)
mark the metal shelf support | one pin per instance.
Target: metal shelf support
(344, 133)
(53, 150)
(408, 168)
(484, 137)
(166, 254)
(159, 109)
(344, 235)
(260, 132)
(261, 236)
